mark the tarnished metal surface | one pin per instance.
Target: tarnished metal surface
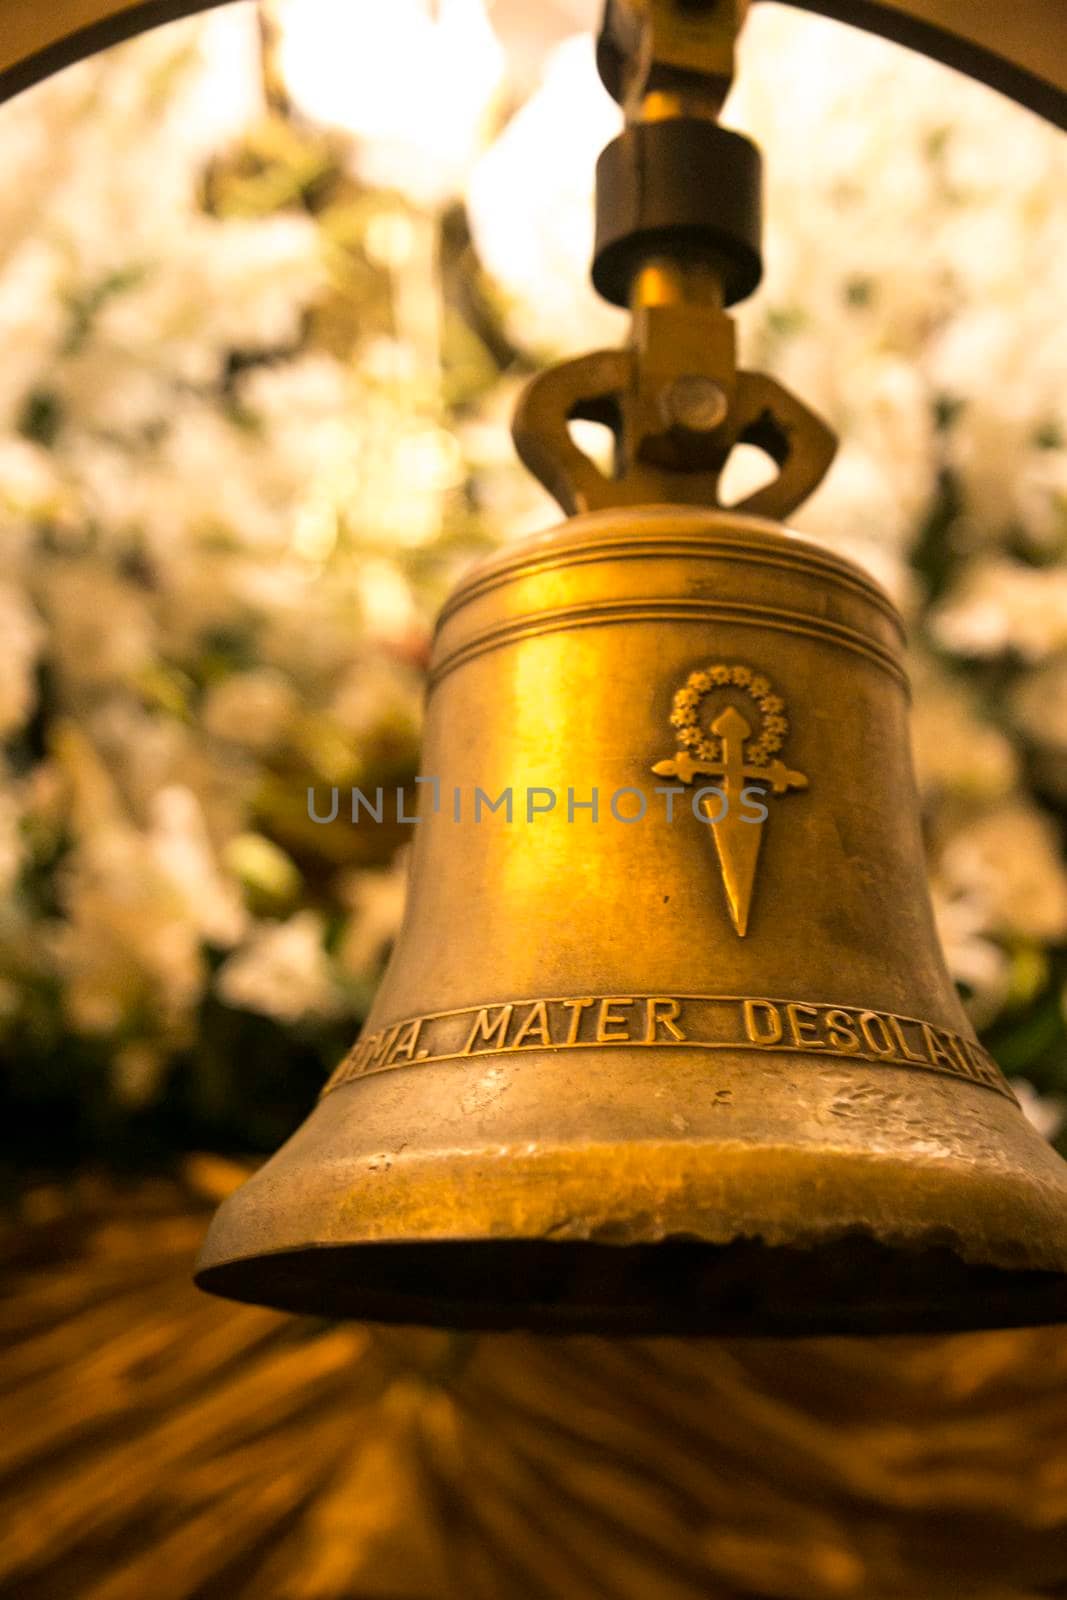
(730, 1045)
(1018, 46)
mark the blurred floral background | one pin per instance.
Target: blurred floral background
(270, 281)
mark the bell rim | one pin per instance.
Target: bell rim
(305, 1282)
(948, 1247)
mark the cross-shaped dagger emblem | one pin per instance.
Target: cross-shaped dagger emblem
(737, 839)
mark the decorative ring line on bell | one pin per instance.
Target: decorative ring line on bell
(649, 546)
(599, 613)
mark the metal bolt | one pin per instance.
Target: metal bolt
(697, 404)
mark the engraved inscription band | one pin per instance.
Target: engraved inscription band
(701, 1022)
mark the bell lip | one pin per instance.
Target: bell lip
(773, 1241)
(750, 1289)
(631, 525)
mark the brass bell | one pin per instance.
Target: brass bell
(632, 1073)
(667, 1042)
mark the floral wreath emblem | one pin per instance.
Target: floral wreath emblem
(731, 750)
(685, 716)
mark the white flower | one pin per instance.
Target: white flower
(30, 484)
(254, 279)
(180, 847)
(416, 92)
(137, 903)
(223, 93)
(955, 749)
(128, 945)
(146, 752)
(377, 901)
(283, 971)
(1040, 483)
(100, 624)
(1001, 605)
(122, 395)
(972, 957)
(312, 386)
(32, 320)
(373, 692)
(1047, 1112)
(388, 604)
(859, 503)
(254, 709)
(1009, 861)
(530, 201)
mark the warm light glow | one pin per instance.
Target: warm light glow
(414, 91)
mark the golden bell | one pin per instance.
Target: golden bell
(666, 1043)
(691, 1061)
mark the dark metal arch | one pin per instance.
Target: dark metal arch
(37, 40)
(1017, 46)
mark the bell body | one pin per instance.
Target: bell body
(692, 1061)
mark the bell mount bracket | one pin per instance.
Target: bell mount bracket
(677, 241)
